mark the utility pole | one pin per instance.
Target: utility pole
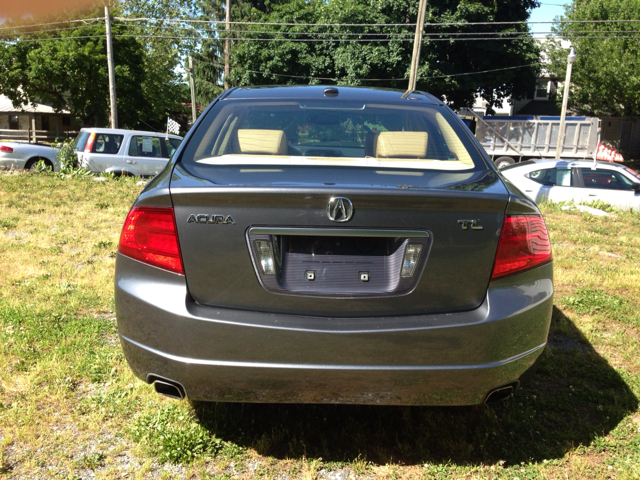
(194, 114)
(571, 58)
(417, 43)
(112, 74)
(227, 45)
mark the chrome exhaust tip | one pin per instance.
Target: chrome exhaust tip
(501, 393)
(166, 387)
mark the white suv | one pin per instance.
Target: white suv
(124, 152)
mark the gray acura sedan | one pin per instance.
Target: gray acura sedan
(337, 245)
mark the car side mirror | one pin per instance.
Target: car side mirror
(636, 187)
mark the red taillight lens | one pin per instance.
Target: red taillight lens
(89, 144)
(524, 244)
(150, 236)
(4, 148)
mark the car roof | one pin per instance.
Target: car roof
(124, 131)
(563, 162)
(317, 92)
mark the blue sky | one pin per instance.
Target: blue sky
(547, 11)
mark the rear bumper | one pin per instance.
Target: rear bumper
(9, 163)
(232, 355)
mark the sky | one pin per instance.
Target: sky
(547, 11)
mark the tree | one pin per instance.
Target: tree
(67, 68)
(333, 59)
(605, 79)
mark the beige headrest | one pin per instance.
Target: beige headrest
(401, 144)
(266, 142)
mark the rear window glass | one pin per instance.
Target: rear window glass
(605, 179)
(553, 177)
(145, 147)
(305, 132)
(171, 144)
(81, 141)
(107, 143)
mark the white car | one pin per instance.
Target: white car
(580, 181)
(125, 152)
(20, 155)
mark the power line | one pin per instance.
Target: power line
(373, 79)
(391, 34)
(50, 23)
(313, 40)
(182, 20)
(523, 22)
(51, 30)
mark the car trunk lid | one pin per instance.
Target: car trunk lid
(226, 215)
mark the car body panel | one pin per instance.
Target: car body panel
(577, 191)
(222, 337)
(459, 256)
(123, 161)
(231, 354)
(23, 153)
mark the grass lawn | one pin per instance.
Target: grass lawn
(71, 408)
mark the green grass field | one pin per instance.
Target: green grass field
(71, 408)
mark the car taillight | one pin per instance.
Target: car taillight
(150, 236)
(524, 244)
(89, 144)
(4, 148)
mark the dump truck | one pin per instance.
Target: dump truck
(512, 139)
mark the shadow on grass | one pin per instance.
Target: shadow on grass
(574, 397)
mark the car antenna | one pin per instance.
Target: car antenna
(155, 130)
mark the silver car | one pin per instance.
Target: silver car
(338, 245)
(580, 181)
(124, 152)
(21, 155)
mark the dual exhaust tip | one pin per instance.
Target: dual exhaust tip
(173, 389)
(166, 387)
(501, 393)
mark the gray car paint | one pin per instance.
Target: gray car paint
(377, 356)
(236, 355)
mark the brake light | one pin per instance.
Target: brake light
(150, 236)
(524, 244)
(4, 148)
(89, 144)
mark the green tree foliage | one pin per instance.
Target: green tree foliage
(72, 73)
(67, 68)
(605, 80)
(335, 60)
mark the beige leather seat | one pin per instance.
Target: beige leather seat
(401, 145)
(261, 142)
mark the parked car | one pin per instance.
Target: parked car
(576, 180)
(124, 152)
(340, 245)
(21, 155)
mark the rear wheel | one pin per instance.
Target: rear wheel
(31, 163)
(504, 162)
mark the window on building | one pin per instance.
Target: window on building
(14, 122)
(542, 90)
(66, 121)
(45, 123)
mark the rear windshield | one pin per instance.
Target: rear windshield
(302, 132)
(81, 141)
(107, 143)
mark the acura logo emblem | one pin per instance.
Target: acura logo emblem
(340, 209)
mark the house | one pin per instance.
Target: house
(34, 123)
